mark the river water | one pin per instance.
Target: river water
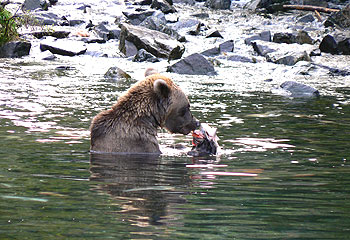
(283, 172)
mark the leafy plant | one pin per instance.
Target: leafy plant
(8, 26)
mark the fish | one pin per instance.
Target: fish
(205, 141)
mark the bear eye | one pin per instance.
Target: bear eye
(185, 110)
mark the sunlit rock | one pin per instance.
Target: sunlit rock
(194, 64)
(63, 46)
(157, 43)
(282, 53)
(35, 4)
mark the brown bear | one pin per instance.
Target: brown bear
(130, 126)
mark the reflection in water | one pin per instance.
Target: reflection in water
(140, 184)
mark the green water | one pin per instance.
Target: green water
(283, 172)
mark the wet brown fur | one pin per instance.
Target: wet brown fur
(130, 126)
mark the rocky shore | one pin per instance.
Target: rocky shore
(190, 37)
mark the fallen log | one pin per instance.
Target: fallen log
(310, 8)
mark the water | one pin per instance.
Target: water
(283, 172)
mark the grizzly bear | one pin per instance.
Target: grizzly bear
(130, 126)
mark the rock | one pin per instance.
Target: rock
(214, 33)
(282, 53)
(255, 4)
(218, 4)
(188, 2)
(211, 52)
(47, 55)
(30, 5)
(102, 31)
(116, 73)
(284, 38)
(158, 24)
(299, 90)
(306, 18)
(329, 45)
(194, 31)
(319, 3)
(159, 44)
(304, 38)
(144, 56)
(344, 47)
(194, 64)
(163, 6)
(63, 46)
(227, 46)
(186, 23)
(341, 18)
(264, 36)
(15, 49)
(129, 49)
(201, 15)
(47, 18)
(135, 18)
(238, 58)
(301, 37)
(56, 34)
(75, 22)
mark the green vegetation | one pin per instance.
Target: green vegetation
(8, 26)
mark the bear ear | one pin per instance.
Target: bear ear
(161, 88)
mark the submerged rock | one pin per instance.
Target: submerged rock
(299, 90)
(63, 46)
(116, 73)
(159, 44)
(194, 64)
(15, 49)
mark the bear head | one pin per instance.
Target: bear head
(178, 117)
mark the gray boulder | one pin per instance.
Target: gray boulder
(159, 24)
(301, 37)
(63, 47)
(157, 43)
(194, 64)
(282, 53)
(225, 47)
(341, 18)
(264, 36)
(299, 90)
(15, 49)
(30, 5)
(163, 6)
(218, 4)
(135, 18)
(144, 56)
